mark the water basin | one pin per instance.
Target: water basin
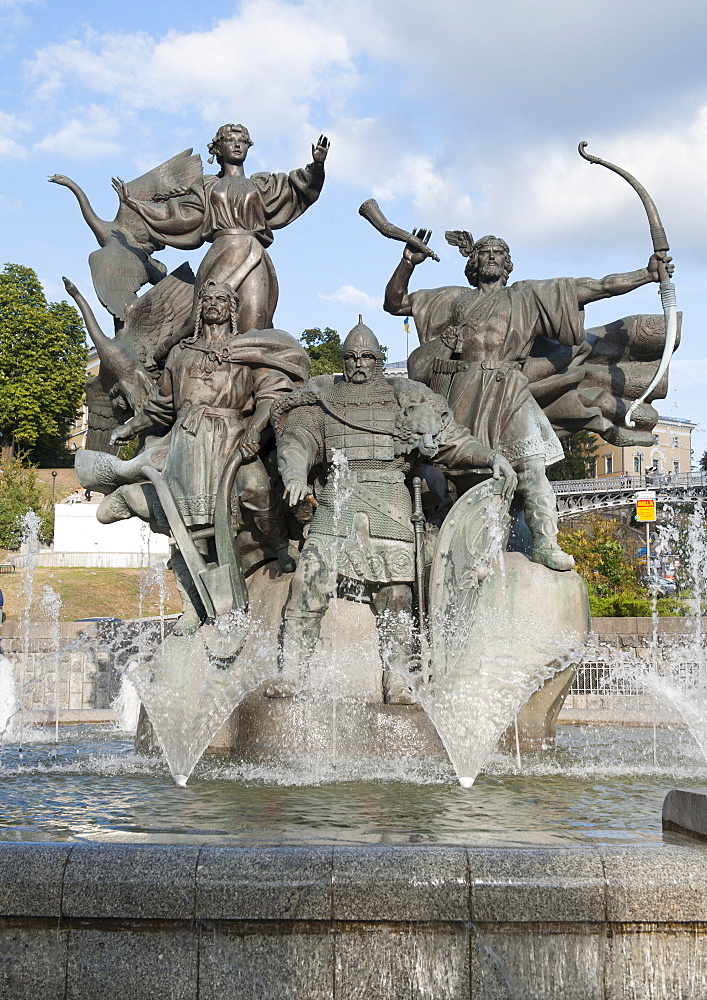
(602, 785)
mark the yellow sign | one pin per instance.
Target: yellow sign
(645, 509)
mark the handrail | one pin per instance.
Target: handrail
(658, 481)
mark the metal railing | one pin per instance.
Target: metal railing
(600, 677)
(655, 480)
(578, 496)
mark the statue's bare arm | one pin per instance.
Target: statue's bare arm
(131, 428)
(592, 289)
(163, 414)
(397, 300)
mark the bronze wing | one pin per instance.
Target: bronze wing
(158, 313)
(121, 267)
(119, 270)
(461, 239)
(101, 419)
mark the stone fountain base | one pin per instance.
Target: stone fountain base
(265, 729)
(334, 922)
(344, 715)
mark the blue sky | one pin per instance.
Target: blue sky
(455, 114)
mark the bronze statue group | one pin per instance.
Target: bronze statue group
(235, 442)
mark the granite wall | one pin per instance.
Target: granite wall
(91, 921)
(78, 658)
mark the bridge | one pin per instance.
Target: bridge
(582, 495)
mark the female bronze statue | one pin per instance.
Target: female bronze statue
(237, 215)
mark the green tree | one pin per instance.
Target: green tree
(580, 451)
(611, 575)
(20, 492)
(703, 461)
(43, 358)
(324, 350)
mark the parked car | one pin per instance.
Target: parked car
(660, 586)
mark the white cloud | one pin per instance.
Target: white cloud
(364, 73)
(90, 136)
(11, 130)
(274, 66)
(349, 295)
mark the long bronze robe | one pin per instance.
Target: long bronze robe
(208, 393)
(237, 215)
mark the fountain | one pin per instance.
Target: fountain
(359, 703)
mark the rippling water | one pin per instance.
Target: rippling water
(600, 785)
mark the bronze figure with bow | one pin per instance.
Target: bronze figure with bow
(666, 288)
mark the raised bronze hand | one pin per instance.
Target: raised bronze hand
(658, 263)
(319, 152)
(370, 210)
(121, 189)
(412, 253)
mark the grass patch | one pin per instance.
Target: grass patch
(90, 593)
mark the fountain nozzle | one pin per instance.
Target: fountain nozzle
(180, 780)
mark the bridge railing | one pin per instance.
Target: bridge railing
(623, 483)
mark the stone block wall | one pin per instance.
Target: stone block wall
(88, 680)
(366, 922)
(75, 661)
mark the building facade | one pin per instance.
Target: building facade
(79, 429)
(669, 455)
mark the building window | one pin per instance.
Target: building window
(593, 469)
(608, 464)
(637, 462)
(656, 439)
(676, 468)
(676, 443)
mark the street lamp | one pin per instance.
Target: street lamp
(54, 475)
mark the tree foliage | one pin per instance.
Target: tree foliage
(324, 350)
(580, 451)
(20, 492)
(611, 575)
(43, 358)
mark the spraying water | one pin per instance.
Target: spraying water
(126, 705)
(30, 548)
(50, 609)
(8, 699)
(676, 672)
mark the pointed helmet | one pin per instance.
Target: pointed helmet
(362, 338)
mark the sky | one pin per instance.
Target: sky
(455, 114)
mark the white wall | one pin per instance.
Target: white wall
(76, 529)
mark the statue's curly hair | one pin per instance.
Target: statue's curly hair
(472, 267)
(225, 130)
